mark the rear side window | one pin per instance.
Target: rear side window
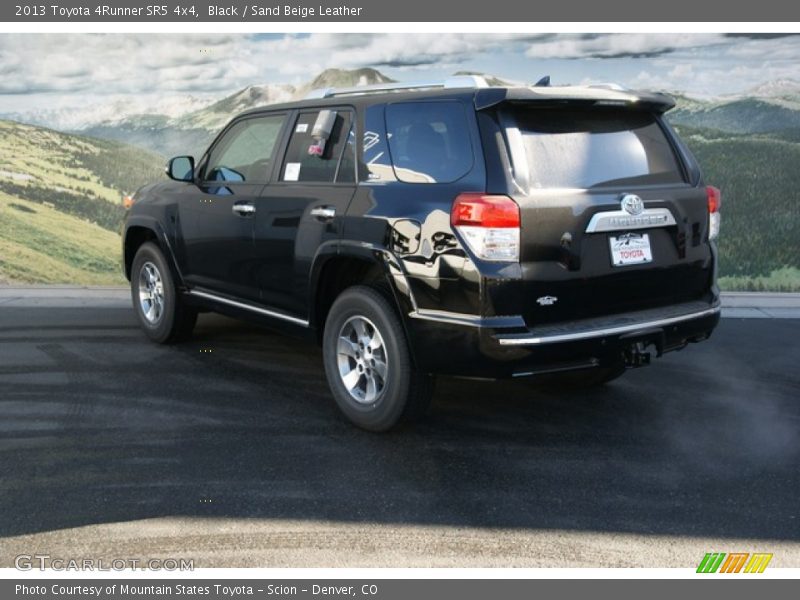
(573, 148)
(375, 163)
(429, 141)
(301, 164)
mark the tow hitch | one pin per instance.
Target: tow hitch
(637, 355)
(641, 348)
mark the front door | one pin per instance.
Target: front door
(218, 215)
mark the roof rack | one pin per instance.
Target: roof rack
(610, 86)
(459, 81)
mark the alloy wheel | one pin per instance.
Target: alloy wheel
(151, 293)
(362, 360)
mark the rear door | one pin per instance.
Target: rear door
(609, 220)
(303, 207)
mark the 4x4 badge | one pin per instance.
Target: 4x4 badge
(546, 300)
(632, 204)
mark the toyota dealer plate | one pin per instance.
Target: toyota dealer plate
(630, 249)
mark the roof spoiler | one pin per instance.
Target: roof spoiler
(583, 95)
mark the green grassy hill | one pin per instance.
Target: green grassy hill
(61, 204)
(746, 115)
(759, 177)
(39, 244)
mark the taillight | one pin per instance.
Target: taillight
(489, 224)
(714, 197)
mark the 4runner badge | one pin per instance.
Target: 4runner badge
(546, 300)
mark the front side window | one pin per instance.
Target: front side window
(429, 141)
(245, 152)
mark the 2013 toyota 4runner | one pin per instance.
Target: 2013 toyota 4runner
(449, 228)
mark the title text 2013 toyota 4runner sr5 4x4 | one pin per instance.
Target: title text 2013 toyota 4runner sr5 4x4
(449, 228)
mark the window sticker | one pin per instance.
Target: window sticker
(292, 172)
(301, 128)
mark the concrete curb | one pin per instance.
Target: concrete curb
(760, 305)
(64, 296)
(736, 305)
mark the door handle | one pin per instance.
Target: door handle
(244, 210)
(323, 212)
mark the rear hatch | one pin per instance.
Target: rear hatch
(610, 222)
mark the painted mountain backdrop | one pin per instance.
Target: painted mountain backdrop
(187, 125)
(60, 191)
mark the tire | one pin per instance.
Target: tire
(163, 316)
(399, 393)
(580, 380)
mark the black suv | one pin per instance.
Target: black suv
(449, 228)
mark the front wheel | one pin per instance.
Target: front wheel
(162, 314)
(368, 363)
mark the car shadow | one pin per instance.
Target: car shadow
(238, 422)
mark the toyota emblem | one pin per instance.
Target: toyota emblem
(632, 204)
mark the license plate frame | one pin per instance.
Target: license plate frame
(630, 249)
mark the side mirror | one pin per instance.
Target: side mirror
(180, 168)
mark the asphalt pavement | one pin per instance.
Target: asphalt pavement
(229, 450)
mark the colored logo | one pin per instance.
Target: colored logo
(734, 562)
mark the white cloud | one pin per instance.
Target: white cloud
(681, 71)
(202, 63)
(318, 51)
(619, 45)
(59, 68)
(117, 63)
(776, 49)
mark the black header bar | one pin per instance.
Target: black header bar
(355, 11)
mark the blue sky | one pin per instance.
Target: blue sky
(43, 71)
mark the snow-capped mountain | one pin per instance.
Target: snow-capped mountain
(78, 118)
(190, 131)
(768, 107)
(219, 113)
(181, 124)
(778, 88)
(186, 111)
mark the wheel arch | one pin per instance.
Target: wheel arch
(344, 264)
(139, 231)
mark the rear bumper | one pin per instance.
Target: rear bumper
(467, 345)
(616, 325)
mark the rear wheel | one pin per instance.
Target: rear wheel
(161, 312)
(368, 363)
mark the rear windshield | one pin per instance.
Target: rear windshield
(574, 148)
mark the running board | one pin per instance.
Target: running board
(250, 307)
